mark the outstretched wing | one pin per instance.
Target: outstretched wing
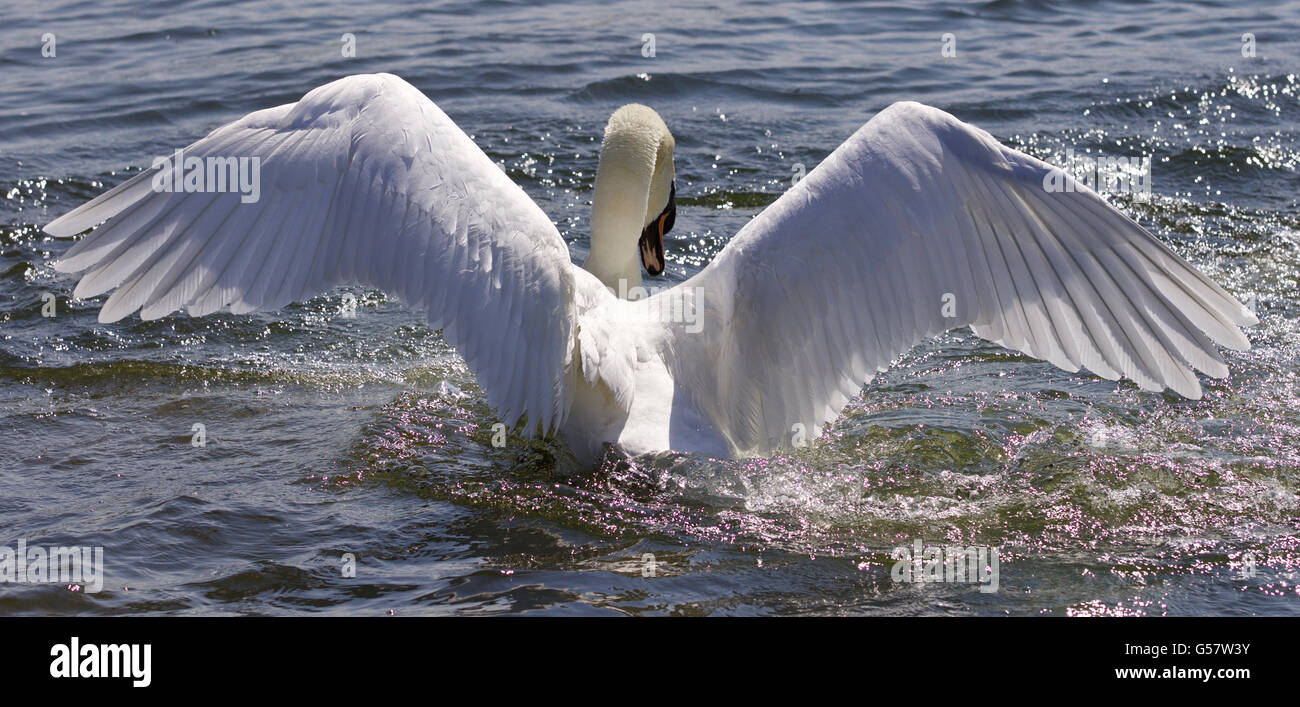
(363, 181)
(917, 224)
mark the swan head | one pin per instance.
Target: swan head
(634, 202)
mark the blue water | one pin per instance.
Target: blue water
(367, 436)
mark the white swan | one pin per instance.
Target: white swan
(918, 223)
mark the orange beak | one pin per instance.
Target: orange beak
(652, 237)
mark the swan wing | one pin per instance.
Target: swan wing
(917, 224)
(363, 181)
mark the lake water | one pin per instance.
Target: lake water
(328, 435)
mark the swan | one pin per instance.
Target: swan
(918, 223)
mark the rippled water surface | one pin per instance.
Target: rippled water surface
(328, 435)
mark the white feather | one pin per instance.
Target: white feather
(850, 268)
(366, 181)
(363, 181)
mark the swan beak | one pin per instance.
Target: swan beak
(652, 237)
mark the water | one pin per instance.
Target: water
(328, 435)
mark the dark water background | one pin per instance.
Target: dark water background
(329, 435)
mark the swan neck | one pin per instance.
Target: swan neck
(618, 213)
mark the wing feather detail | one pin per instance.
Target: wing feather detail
(364, 181)
(854, 265)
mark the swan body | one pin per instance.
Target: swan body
(917, 224)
